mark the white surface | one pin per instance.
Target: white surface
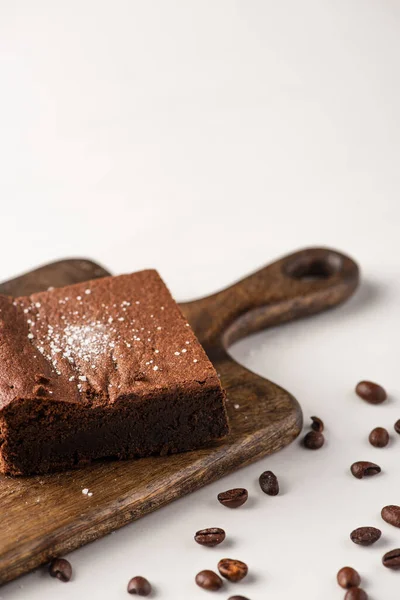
(205, 139)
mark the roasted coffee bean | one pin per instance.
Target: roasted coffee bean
(269, 483)
(314, 440)
(379, 437)
(348, 578)
(363, 468)
(317, 424)
(371, 392)
(397, 426)
(60, 568)
(391, 560)
(365, 536)
(208, 580)
(237, 598)
(391, 514)
(233, 498)
(139, 586)
(233, 570)
(356, 593)
(210, 537)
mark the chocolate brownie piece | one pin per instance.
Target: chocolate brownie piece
(108, 368)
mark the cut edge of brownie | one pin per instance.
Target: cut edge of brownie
(75, 436)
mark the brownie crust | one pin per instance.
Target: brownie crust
(105, 369)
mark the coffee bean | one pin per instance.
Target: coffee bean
(356, 594)
(233, 570)
(208, 580)
(397, 426)
(391, 514)
(237, 598)
(371, 392)
(314, 440)
(365, 536)
(348, 578)
(233, 498)
(379, 437)
(363, 468)
(317, 424)
(391, 560)
(139, 586)
(60, 568)
(210, 537)
(269, 483)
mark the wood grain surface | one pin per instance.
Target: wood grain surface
(47, 516)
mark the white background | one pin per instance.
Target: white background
(206, 138)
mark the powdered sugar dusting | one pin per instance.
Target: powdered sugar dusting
(87, 342)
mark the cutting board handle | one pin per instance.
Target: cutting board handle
(298, 285)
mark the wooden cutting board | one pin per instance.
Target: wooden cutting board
(47, 516)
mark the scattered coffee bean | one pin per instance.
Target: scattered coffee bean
(269, 483)
(139, 586)
(356, 594)
(348, 578)
(60, 568)
(210, 537)
(391, 514)
(317, 424)
(314, 440)
(363, 468)
(397, 426)
(208, 580)
(237, 598)
(233, 570)
(391, 560)
(371, 392)
(379, 437)
(233, 498)
(365, 536)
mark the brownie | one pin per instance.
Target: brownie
(104, 369)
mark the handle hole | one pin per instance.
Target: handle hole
(311, 268)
